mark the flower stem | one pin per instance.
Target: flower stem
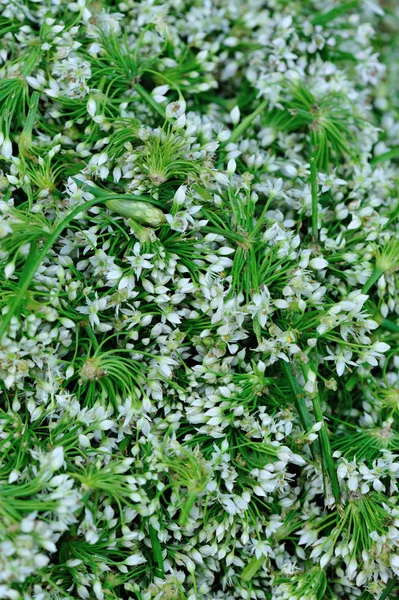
(313, 186)
(325, 447)
(374, 277)
(298, 396)
(252, 568)
(34, 261)
(326, 453)
(389, 325)
(25, 139)
(388, 588)
(245, 123)
(186, 508)
(150, 100)
(157, 550)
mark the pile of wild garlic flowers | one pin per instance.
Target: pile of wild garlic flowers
(199, 245)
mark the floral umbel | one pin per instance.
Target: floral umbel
(199, 335)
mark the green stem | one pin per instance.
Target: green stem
(25, 139)
(326, 453)
(392, 154)
(34, 261)
(157, 550)
(252, 568)
(236, 237)
(245, 123)
(388, 589)
(150, 100)
(259, 222)
(394, 214)
(106, 195)
(31, 60)
(298, 396)
(186, 508)
(334, 13)
(374, 277)
(92, 337)
(389, 325)
(313, 185)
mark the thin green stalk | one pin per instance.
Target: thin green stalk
(334, 13)
(34, 261)
(298, 396)
(150, 100)
(389, 325)
(252, 568)
(325, 447)
(394, 214)
(326, 452)
(25, 139)
(388, 589)
(157, 550)
(245, 123)
(392, 154)
(313, 185)
(374, 277)
(92, 337)
(186, 508)
(259, 222)
(230, 235)
(106, 196)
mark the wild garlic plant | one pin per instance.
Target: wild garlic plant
(199, 335)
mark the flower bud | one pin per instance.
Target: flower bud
(231, 166)
(235, 115)
(91, 106)
(9, 270)
(6, 148)
(142, 212)
(25, 143)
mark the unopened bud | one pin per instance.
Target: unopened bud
(91, 107)
(25, 143)
(142, 212)
(6, 149)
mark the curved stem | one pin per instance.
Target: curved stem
(186, 508)
(252, 568)
(388, 589)
(35, 259)
(245, 123)
(374, 277)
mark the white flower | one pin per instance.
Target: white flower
(329, 181)
(231, 166)
(342, 358)
(235, 115)
(175, 109)
(394, 562)
(9, 270)
(318, 263)
(5, 228)
(139, 261)
(93, 307)
(134, 559)
(6, 149)
(91, 106)
(98, 590)
(311, 383)
(180, 195)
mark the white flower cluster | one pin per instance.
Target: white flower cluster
(199, 335)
